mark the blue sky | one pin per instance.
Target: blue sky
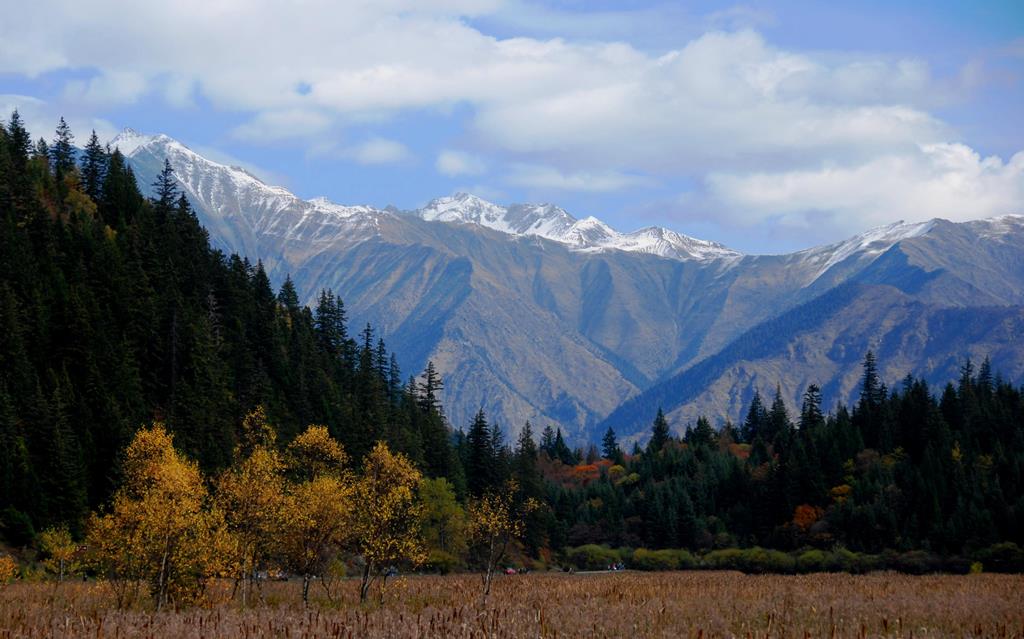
(768, 127)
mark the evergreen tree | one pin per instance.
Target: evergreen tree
(756, 423)
(547, 441)
(165, 190)
(610, 447)
(479, 456)
(62, 151)
(94, 167)
(561, 450)
(659, 433)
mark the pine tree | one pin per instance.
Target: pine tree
(703, 434)
(659, 433)
(165, 190)
(810, 412)
(62, 151)
(562, 451)
(479, 455)
(287, 296)
(756, 422)
(94, 167)
(547, 441)
(610, 446)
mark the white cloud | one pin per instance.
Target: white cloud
(452, 163)
(113, 87)
(40, 118)
(288, 124)
(563, 114)
(550, 178)
(379, 151)
(951, 181)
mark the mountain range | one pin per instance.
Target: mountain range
(531, 313)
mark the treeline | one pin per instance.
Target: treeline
(115, 311)
(904, 469)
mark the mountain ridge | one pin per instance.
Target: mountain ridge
(531, 313)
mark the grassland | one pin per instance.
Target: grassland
(681, 604)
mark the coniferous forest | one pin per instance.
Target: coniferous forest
(115, 313)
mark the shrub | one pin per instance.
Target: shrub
(8, 569)
(916, 562)
(1004, 557)
(644, 559)
(813, 561)
(592, 557)
(440, 562)
(724, 559)
(761, 561)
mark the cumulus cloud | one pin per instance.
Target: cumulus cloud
(452, 163)
(112, 87)
(550, 178)
(559, 114)
(379, 151)
(951, 181)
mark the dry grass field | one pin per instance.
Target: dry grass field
(683, 604)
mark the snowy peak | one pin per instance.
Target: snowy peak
(867, 245)
(554, 223)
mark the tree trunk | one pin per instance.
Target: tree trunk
(305, 589)
(364, 587)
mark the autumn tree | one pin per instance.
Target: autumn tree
(157, 528)
(317, 510)
(60, 552)
(387, 515)
(494, 522)
(251, 495)
(8, 569)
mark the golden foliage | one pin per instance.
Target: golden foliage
(387, 515)
(157, 528)
(8, 569)
(315, 452)
(250, 494)
(495, 519)
(314, 525)
(60, 551)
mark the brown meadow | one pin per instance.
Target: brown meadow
(681, 604)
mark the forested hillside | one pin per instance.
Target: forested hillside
(115, 313)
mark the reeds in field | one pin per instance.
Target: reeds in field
(680, 604)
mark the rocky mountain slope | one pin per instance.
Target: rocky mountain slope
(533, 314)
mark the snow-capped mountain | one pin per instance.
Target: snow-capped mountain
(534, 314)
(231, 190)
(553, 223)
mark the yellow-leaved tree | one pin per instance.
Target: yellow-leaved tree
(60, 552)
(8, 569)
(251, 495)
(314, 521)
(386, 520)
(157, 528)
(495, 519)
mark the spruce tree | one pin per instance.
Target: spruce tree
(610, 446)
(62, 151)
(479, 455)
(94, 167)
(659, 433)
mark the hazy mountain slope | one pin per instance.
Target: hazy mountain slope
(531, 313)
(911, 311)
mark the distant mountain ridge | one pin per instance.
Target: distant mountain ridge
(534, 314)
